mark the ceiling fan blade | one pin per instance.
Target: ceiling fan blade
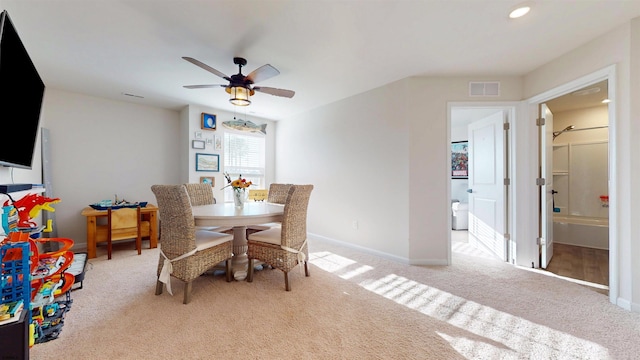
(274, 91)
(203, 86)
(262, 73)
(206, 67)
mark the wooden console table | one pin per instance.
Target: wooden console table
(98, 233)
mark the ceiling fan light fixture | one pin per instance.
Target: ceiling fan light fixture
(239, 96)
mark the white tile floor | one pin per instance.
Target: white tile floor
(460, 244)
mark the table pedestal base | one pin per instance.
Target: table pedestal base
(239, 262)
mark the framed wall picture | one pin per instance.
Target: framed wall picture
(197, 144)
(208, 180)
(217, 142)
(207, 162)
(208, 121)
(460, 160)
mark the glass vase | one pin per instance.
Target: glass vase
(239, 198)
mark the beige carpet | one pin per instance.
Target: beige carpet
(354, 306)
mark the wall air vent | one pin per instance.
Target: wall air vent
(484, 88)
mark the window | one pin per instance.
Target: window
(244, 155)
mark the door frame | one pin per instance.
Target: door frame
(510, 109)
(608, 73)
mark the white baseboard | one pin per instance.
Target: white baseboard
(361, 248)
(381, 254)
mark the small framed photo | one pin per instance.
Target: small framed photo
(198, 135)
(208, 180)
(217, 142)
(207, 162)
(197, 144)
(208, 121)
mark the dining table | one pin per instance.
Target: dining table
(228, 214)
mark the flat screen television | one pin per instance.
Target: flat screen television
(21, 94)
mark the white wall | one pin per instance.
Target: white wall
(391, 156)
(100, 148)
(356, 154)
(430, 163)
(634, 161)
(582, 118)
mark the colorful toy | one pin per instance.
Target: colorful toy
(9, 218)
(30, 206)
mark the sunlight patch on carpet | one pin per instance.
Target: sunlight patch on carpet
(493, 333)
(331, 263)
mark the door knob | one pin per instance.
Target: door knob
(469, 191)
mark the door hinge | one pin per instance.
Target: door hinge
(507, 181)
(505, 126)
(540, 241)
(539, 121)
(507, 236)
(540, 181)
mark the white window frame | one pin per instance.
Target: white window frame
(251, 166)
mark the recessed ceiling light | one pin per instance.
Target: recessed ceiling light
(519, 11)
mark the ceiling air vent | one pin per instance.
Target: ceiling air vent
(486, 88)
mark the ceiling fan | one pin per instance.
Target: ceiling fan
(241, 87)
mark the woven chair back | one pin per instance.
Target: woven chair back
(294, 220)
(278, 193)
(200, 194)
(176, 219)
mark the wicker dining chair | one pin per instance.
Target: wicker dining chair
(277, 195)
(202, 194)
(186, 253)
(286, 246)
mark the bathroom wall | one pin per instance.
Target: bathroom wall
(580, 162)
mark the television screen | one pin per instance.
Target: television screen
(21, 94)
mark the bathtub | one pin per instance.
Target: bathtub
(581, 231)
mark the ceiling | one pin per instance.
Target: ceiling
(586, 97)
(325, 50)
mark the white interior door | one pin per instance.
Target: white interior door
(546, 195)
(486, 184)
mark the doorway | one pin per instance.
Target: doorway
(578, 217)
(480, 200)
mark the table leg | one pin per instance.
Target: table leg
(239, 262)
(153, 229)
(91, 237)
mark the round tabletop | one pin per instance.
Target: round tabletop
(228, 214)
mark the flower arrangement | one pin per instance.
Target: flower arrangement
(237, 184)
